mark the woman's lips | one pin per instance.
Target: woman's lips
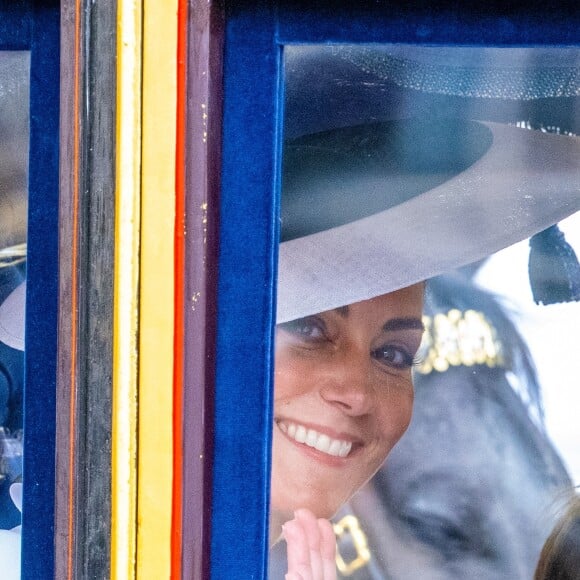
(313, 438)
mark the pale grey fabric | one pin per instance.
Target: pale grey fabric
(12, 318)
(479, 72)
(527, 181)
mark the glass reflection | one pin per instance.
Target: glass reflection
(471, 488)
(14, 129)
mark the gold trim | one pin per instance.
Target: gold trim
(126, 290)
(458, 339)
(350, 525)
(156, 325)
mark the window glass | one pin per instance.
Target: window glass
(405, 164)
(14, 130)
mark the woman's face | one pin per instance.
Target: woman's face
(343, 398)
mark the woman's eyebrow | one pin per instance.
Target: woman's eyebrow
(403, 324)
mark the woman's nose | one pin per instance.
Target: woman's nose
(349, 385)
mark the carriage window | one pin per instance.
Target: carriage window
(14, 130)
(405, 164)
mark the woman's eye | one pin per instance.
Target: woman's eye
(309, 328)
(394, 356)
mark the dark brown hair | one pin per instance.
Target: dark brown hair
(560, 556)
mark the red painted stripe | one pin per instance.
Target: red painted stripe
(179, 329)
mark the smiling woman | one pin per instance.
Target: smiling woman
(343, 398)
(372, 205)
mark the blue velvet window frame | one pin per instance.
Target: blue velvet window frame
(254, 36)
(34, 25)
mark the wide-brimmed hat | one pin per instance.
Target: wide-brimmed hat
(12, 312)
(372, 207)
(328, 86)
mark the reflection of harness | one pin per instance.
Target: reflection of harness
(353, 553)
(458, 339)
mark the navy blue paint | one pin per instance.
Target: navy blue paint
(15, 24)
(249, 213)
(492, 22)
(42, 291)
(247, 261)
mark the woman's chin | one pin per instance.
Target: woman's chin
(285, 507)
(279, 515)
(292, 490)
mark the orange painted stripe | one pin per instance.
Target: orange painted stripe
(74, 287)
(179, 261)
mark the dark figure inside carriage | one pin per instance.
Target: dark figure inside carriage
(11, 396)
(11, 399)
(469, 490)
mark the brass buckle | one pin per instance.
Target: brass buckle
(349, 525)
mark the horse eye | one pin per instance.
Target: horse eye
(441, 534)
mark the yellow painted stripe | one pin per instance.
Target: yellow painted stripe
(157, 289)
(126, 319)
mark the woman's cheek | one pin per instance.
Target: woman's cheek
(293, 375)
(284, 375)
(395, 412)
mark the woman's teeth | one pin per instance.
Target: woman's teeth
(321, 442)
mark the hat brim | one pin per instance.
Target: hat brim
(525, 182)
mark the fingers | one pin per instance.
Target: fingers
(305, 575)
(327, 549)
(310, 526)
(311, 547)
(298, 551)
